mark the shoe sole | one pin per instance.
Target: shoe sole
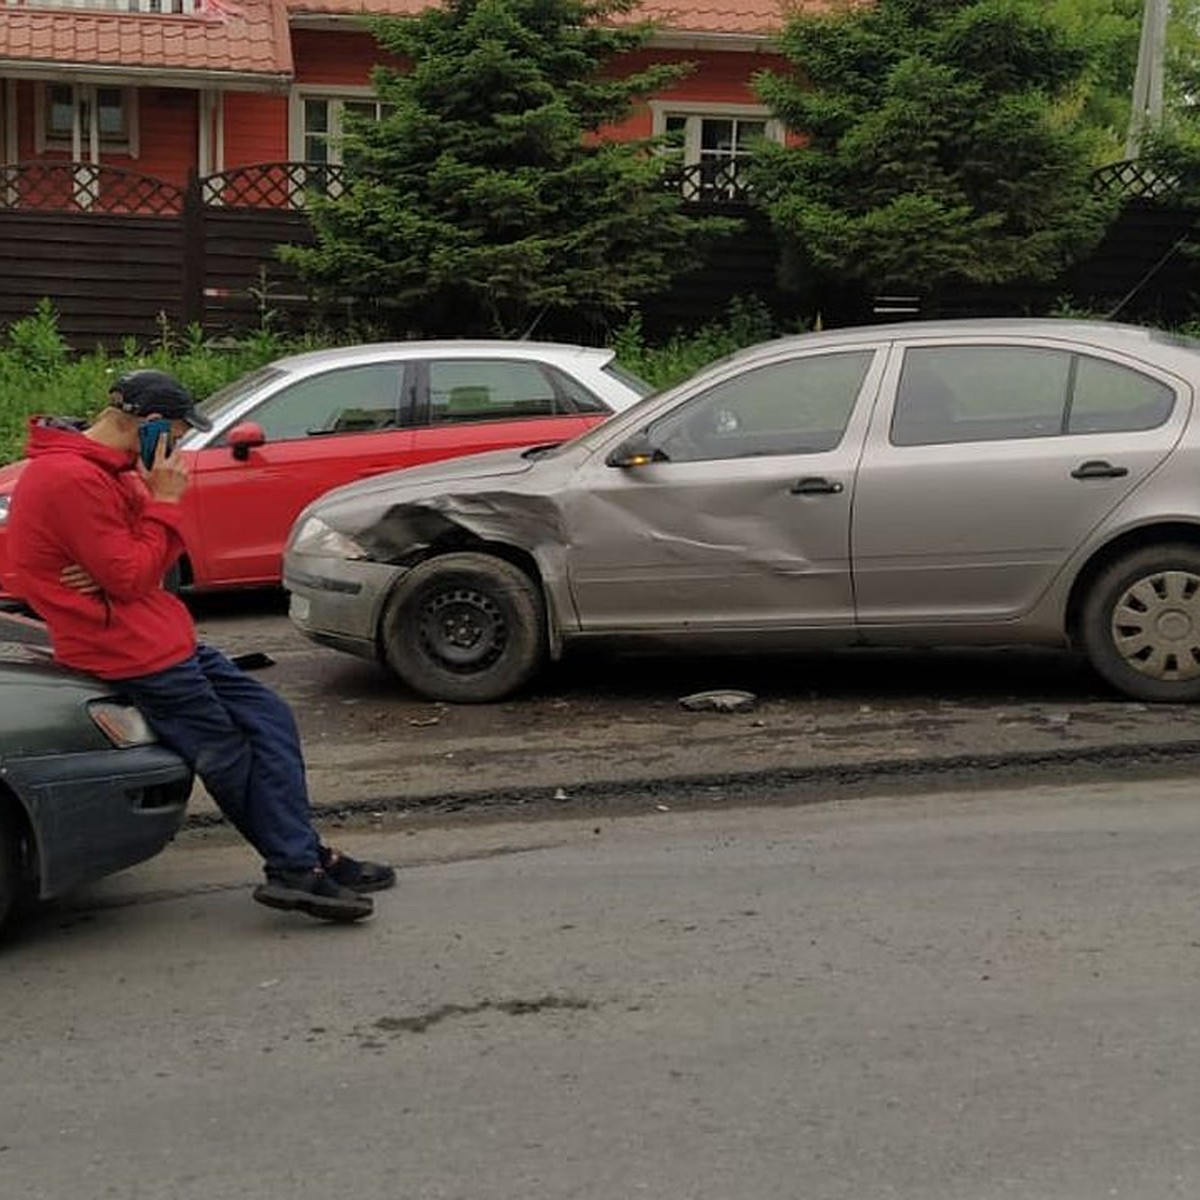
(323, 908)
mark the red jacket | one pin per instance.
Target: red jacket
(80, 502)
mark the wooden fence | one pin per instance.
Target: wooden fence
(118, 254)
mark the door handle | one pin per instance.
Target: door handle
(814, 485)
(1096, 468)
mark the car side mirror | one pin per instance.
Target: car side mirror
(637, 451)
(245, 437)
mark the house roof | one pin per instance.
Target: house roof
(227, 39)
(738, 17)
(247, 42)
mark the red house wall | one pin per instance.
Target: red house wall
(718, 77)
(167, 133)
(256, 128)
(335, 60)
(256, 124)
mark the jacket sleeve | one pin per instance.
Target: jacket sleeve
(127, 558)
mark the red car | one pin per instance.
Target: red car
(292, 430)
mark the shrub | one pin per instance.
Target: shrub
(747, 320)
(39, 374)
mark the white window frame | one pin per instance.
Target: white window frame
(166, 8)
(87, 145)
(336, 97)
(696, 113)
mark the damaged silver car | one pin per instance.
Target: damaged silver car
(932, 483)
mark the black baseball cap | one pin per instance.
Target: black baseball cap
(148, 391)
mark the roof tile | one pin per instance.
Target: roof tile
(251, 37)
(754, 17)
(248, 37)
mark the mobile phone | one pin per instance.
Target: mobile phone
(148, 434)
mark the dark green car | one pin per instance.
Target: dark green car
(85, 790)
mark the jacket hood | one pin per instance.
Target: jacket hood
(64, 435)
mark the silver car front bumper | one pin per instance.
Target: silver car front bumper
(338, 602)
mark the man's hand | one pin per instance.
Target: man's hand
(167, 479)
(74, 576)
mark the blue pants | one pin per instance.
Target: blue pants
(241, 739)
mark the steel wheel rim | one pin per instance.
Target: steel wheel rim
(462, 629)
(1156, 626)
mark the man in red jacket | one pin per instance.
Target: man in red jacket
(92, 531)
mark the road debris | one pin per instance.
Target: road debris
(728, 700)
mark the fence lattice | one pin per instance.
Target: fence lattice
(86, 187)
(271, 185)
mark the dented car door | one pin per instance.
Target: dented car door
(730, 509)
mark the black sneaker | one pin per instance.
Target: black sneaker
(312, 892)
(355, 874)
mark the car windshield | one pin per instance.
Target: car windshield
(233, 392)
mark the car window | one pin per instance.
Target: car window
(988, 393)
(574, 396)
(800, 406)
(344, 400)
(1110, 398)
(980, 393)
(490, 390)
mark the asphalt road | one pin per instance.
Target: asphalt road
(969, 996)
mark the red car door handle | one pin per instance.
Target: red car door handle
(814, 485)
(1098, 469)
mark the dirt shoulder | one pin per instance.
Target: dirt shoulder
(600, 729)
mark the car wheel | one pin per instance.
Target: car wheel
(173, 579)
(465, 627)
(10, 865)
(1141, 624)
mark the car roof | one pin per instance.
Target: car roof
(1110, 333)
(442, 348)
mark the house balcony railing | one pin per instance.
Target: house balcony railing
(184, 8)
(272, 185)
(87, 187)
(1134, 180)
(98, 189)
(60, 186)
(712, 181)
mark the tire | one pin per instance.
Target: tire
(173, 579)
(10, 866)
(467, 628)
(1140, 624)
